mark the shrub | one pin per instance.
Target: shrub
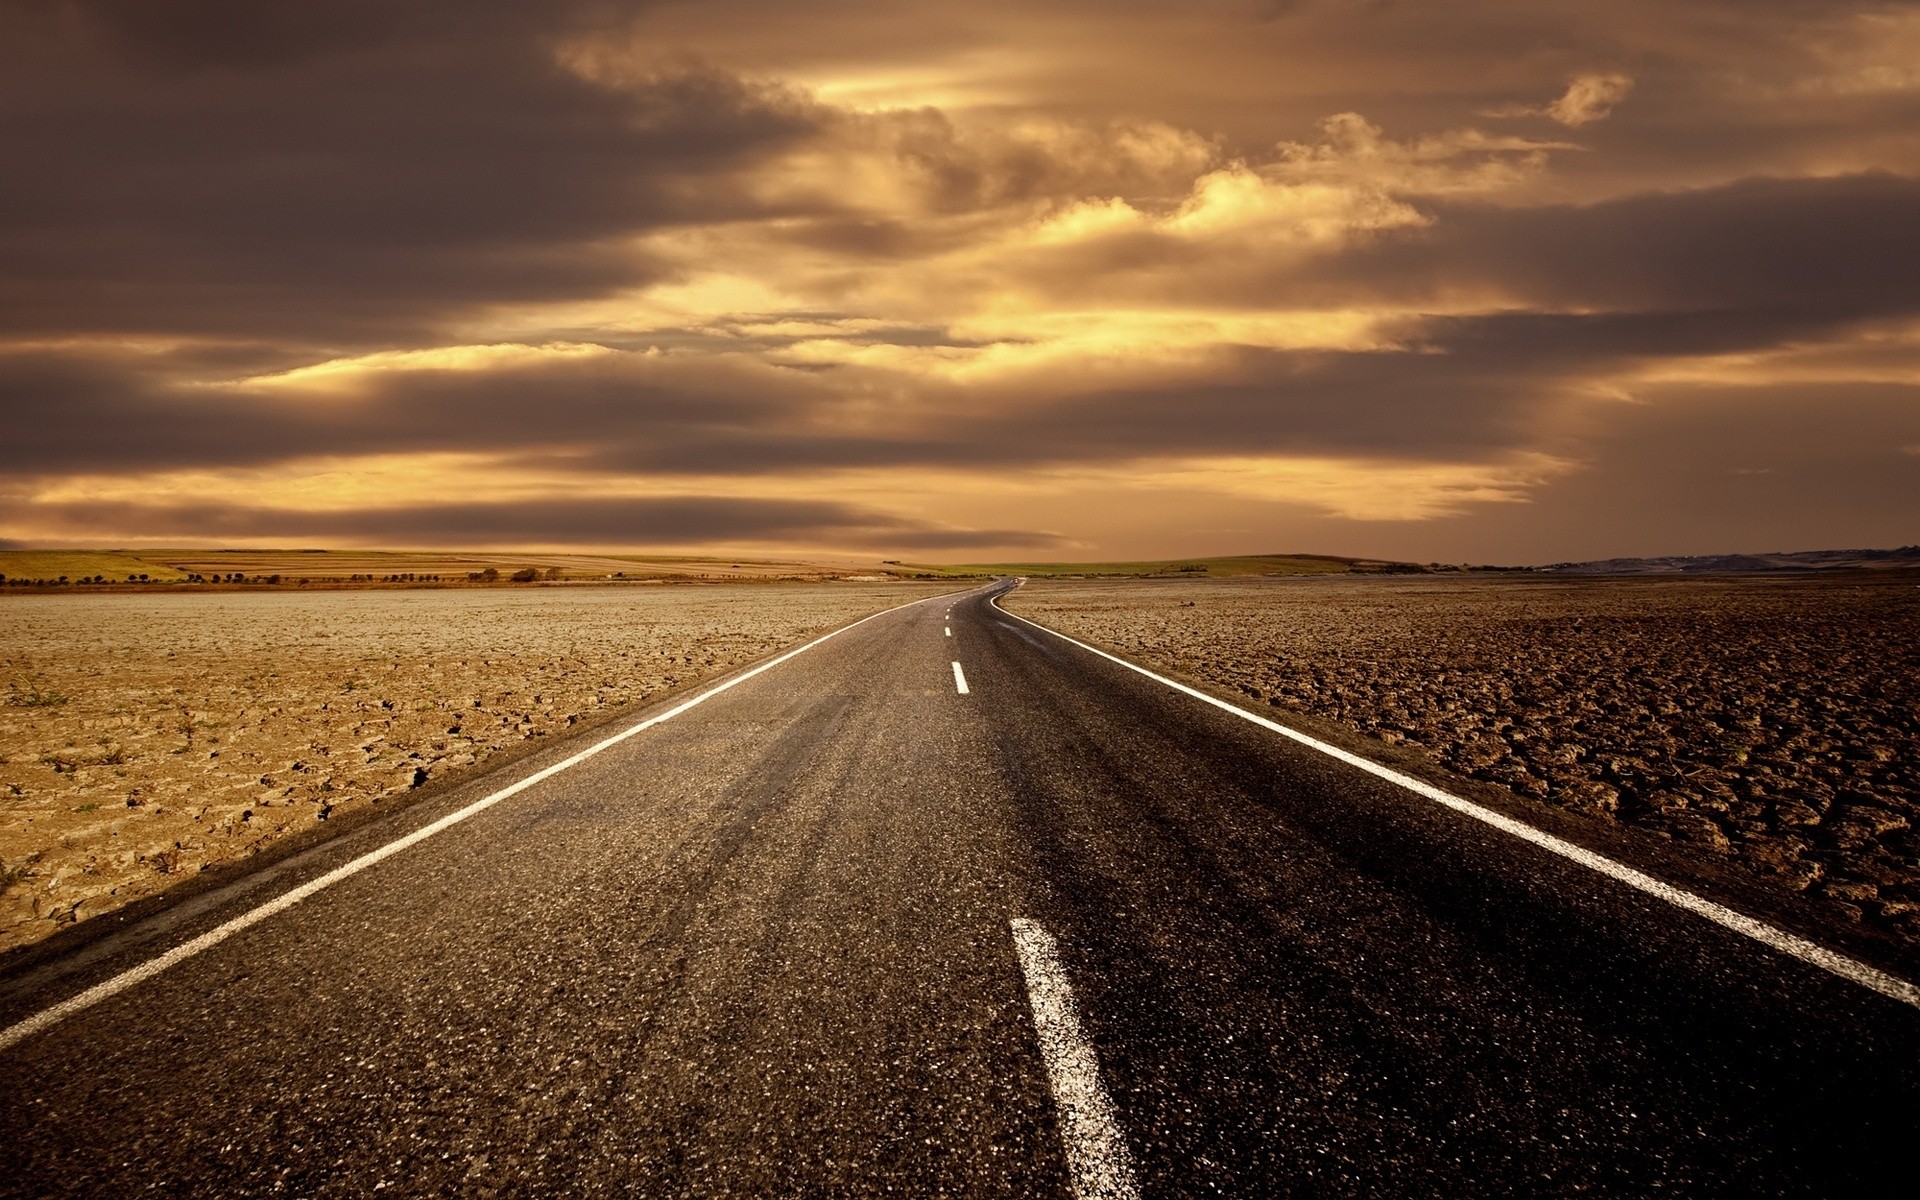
(34, 696)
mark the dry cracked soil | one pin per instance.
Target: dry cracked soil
(1770, 723)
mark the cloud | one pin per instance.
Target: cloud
(637, 522)
(1675, 474)
(1354, 151)
(1823, 250)
(343, 175)
(1589, 98)
(1594, 299)
(922, 162)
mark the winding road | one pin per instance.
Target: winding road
(946, 904)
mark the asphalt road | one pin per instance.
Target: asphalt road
(769, 948)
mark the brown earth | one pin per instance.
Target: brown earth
(154, 568)
(144, 738)
(1771, 723)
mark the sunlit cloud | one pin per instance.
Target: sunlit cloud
(1356, 152)
(1868, 53)
(972, 82)
(1366, 489)
(347, 373)
(1590, 98)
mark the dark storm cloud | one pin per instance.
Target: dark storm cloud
(73, 413)
(625, 416)
(1750, 469)
(337, 172)
(1831, 249)
(1470, 402)
(662, 521)
(197, 35)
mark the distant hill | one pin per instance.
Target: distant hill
(1906, 558)
(1234, 567)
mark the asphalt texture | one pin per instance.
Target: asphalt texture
(763, 949)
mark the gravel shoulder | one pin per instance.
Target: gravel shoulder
(1768, 725)
(147, 739)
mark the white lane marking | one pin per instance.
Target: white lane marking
(959, 679)
(14, 1034)
(949, 633)
(1097, 1156)
(1778, 939)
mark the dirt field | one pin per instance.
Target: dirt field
(1775, 723)
(369, 568)
(146, 737)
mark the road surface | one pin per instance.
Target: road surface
(946, 905)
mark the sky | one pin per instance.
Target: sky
(1500, 281)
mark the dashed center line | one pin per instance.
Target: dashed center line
(1097, 1157)
(949, 633)
(959, 679)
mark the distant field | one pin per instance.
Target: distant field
(373, 567)
(382, 563)
(400, 566)
(1195, 568)
(83, 564)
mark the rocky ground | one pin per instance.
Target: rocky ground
(1774, 723)
(147, 738)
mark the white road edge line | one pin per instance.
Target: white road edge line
(1097, 1156)
(16, 1033)
(959, 679)
(1778, 939)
